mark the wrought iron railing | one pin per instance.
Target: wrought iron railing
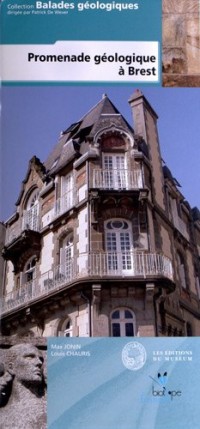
(117, 179)
(89, 265)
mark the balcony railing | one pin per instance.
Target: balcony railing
(92, 265)
(117, 179)
(30, 220)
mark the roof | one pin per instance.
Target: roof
(102, 115)
(39, 167)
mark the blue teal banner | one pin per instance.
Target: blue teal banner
(123, 383)
(90, 41)
(45, 22)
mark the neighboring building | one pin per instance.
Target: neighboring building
(103, 242)
(2, 261)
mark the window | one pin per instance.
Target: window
(122, 323)
(28, 277)
(66, 329)
(115, 171)
(67, 192)
(66, 257)
(30, 269)
(118, 237)
(189, 332)
(197, 286)
(179, 223)
(30, 215)
(65, 201)
(181, 270)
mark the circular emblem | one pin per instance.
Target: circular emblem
(134, 356)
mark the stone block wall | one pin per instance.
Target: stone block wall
(181, 43)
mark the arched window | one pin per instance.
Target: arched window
(30, 215)
(123, 323)
(33, 199)
(28, 277)
(181, 270)
(119, 246)
(66, 328)
(29, 270)
(66, 257)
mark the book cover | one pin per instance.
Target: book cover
(103, 243)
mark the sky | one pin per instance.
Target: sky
(32, 118)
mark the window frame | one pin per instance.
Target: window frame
(182, 271)
(115, 177)
(123, 321)
(31, 211)
(119, 246)
(66, 256)
(66, 332)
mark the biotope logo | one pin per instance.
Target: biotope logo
(134, 356)
(163, 392)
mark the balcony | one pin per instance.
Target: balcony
(21, 236)
(29, 221)
(105, 265)
(117, 179)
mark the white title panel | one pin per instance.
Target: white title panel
(82, 61)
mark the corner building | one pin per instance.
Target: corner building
(102, 242)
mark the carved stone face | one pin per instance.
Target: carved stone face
(27, 364)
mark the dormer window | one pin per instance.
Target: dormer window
(33, 199)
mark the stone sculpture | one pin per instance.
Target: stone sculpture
(22, 387)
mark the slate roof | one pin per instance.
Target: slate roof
(103, 114)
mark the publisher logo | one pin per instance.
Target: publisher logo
(134, 356)
(159, 389)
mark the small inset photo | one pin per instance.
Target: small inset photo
(181, 43)
(23, 382)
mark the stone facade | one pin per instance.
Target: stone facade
(102, 242)
(181, 43)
